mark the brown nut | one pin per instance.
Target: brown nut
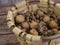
(53, 24)
(46, 18)
(33, 32)
(33, 24)
(25, 25)
(55, 30)
(20, 19)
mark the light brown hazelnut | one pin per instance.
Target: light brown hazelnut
(33, 32)
(46, 18)
(53, 24)
(25, 25)
(33, 24)
(20, 18)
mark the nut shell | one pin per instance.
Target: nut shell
(33, 32)
(53, 24)
(20, 19)
(46, 18)
(33, 24)
(25, 25)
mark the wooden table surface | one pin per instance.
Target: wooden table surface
(6, 36)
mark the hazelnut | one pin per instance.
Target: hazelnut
(53, 24)
(34, 32)
(33, 24)
(25, 25)
(46, 18)
(20, 19)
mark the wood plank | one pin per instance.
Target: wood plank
(6, 35)
(8, 39)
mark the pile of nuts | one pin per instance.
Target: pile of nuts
(38, 23)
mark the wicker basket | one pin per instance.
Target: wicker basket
(29, 39)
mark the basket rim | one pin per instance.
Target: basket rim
(50, 37)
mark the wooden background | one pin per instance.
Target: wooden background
(6, 36)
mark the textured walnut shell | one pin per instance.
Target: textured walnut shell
(20, 18)
(33, 24)
(53, 24)
(25, 25)
(46, 18)
(34, 32)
